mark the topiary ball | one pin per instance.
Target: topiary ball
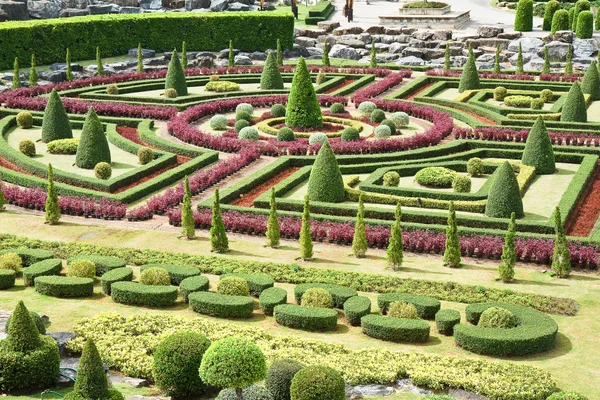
(567, 396)
(382, 132)
(279, 378)
(317, 138)
(390, 124)
(170, 93)
(253, 392)
(245, 107)
(218, 122)
(317, 297)
(500, 93)
(285, 135)
(537, 104)
(11, 261)
(461, 184)
(25, 119)
(318, 382)
(337, 108)
(435, 176)
(400, 309)
(547, 95)
(248, 133)
(496, 317)
(81, 269)
(239, 125)
(37, 320)
(214, 78)
(366, 108)
(234, 286)
(350, 135)
(475, 167)
(114, 89)
(243, 115)
(401, 119)
(27, 148)
(278, 110)
(145, 155)
(103, 170)
(391, 178)
(377, 116)
(155, 276)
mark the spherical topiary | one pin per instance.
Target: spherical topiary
(500, 93)
(377, 116)
(243, 115)
(537, 104)
(248, 133)
(285, 135)
(390, 124)
(103, 170)
(496, 317)
(366, 108)
(145, 155)
(214, 78)
(461, 184)
(350, 134)
(547, 95)
(170, 93)
(400, 119)
(27, 148)
(155, 276)
(245, 107)
(37, 320)
(240, 124)
(253, 392)
(400, 309)
(435, 176)
(382, 132)
(475, 167)
(233, 286)
(567, 396)
(176, 362)
(524, 16)
(317, 382)
(218, 122)
(81, 269)
(391, 178)
(279, 378)
(317, 138)
(337, 108)
(278, 110)
(317, 297)
(25, 119)
(504, 196)
(11, 261)
(114, 89)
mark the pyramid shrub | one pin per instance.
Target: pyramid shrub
(306, 246)
(56, 124)
(504, 196)
(93, 145)
(574, 108)
(524, 16)
(271, 78)
(273, 233)
(175, 77)
(395, 250)
(506, 269)
(23, 335)
(538, 151)
(325, 182)
(591, 82)
(52, 208)
(560, 21)
(568, 62)
(187, 215)
(551, 7)
(218, 235)
(561, 257)
(303, 109)
(359, 242)
(452, 257)
(470, 77)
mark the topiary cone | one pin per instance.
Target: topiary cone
(303, 109)
(538, 151)
(56, 124)
(175, 77)
(325, 182)
(23, 335)
(574, 108)
(93, 145)
(271, 78)
(470, 77)
(591, 82)
(91, 380)
(504, 196)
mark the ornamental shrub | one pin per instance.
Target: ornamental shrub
(475, 167)
(303, 109)
(325, 182)
(461, 184)
(285, 135)
(452, 257)
(81, 269)
(537, 104)
(63, 146)
(500, 93)
(112, 89)
(524, 16)
(585, 25)
(243, 115)
(321, 78)
(175, 76)
(270, 78)
(55, 124)
(435, 176)
(560, 21)
(551, 7)
(561, 256)
(518, 101)
(193, 284)
(273, 232)
(317, 138)
(103, 170)
(24, 120)
(317, 297)
(306, 246)
(103, 263)
(390, 124)
(339, 293)
(64, 286)
(445, 320)
(395, 251)
(91, 380)
(37, 320)
(395, 329)
(11, 261)
(337, 108)
(27, 148)
(580, 6)
(233, 286)
(279, 378)
(221, 305)
(355, 308)
(359, 240)
(171, 93)
(240, 124)
(155, 276)
(218, 122)
(176, 363)
(145, 155)
(222, 86)
(469, 79)
(137, 294)
(547, 96)
(248, 133)
(391, 178)
(400, 309)
(218, 235)
(270, 298)
(567, 396)
(366, 108)
(496, 317)
(574, 108)
(401, 119)
(188, 230)
(245, 107)
(317, 382)
(51, 266)
(93, 145)
(51, 208)
(252, 392)
(350, 134)
(382, 132)
(506, 269)
(278, 110)
(377, 116)
(504, 196)
(538, 150)
(591, 82)
(124, 274)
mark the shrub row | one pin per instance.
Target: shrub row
(136, 294)
(355, 308)
(193, 284)
(48, 267)
(308, 318)
(64, 287)
(426, 307)
(177, 273)
(115, 275)
(221, 305)
(7, 278)
(257, 282)
(445, 320)
(103, 263)
(29, 256)
(395, 329)
(270, 298)
(319, 12)
(339, 293)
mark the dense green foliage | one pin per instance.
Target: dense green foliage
(497, 317)
(355, 308)
(303, 109)
(567, 396)
(93, 145)
(585, 25)
(37, 320)
(538, 150)
(271, 78)
(175, 76)
(506, 269)
(395, 251)
(25, 119)
(591, 82)
(103, 170)
(55, 124)
(469, 79)
(52, 209)
(307, 318)
(350, 134)
(339, 293)
(551, 7)
(400, 309)
(561, 257)
(155, 276)
(187, 215)
(270, 298)
(221, 305)
(452, 257)
(233, 286)
(218, 235)
(317, 297)
(574, 108)
(395, 329)
(279, 378)
(115, 275)
(193, 284)
(103, 263)
(66, 287)
(177, 273)
(325, 182)
(81, 269)
(91, 380)
(257, 282)
(435, 176)
(504, 197)
(359, 241)
(11, 261)
(560, 21)
(317, 382)
(133, 293)
(273, 232)
(524, 16)
(7, 278)
(426, 307)
(445, 320)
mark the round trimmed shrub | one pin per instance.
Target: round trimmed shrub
(317, 297)
(317, 138)
(567, 396)
(64, 286)
(339, 293)
(113, 89)
(177, 273)
(355, 308)
(461, 184)
(350, 134)
(445, 320)
(252, 392)
(137, 294)
(475, 167)
(318, 382)
(11, 261)
(496, 317)
(49, 267)
(30, 256)
(214, 78)
(279, 378)
(426, 307)
(221, 305)
(233, 286)
(390, 124)
(400, 309)
(170, 93)
(391, 178)
(382, 132)
(285, 134)
(240, 124)
(27, 148)
(124, 274)
(243, 115)
(321, 78)
(103, 263)
(518, 101)
(145, 155)
(81, 269)
(400, 119)
(560, 21)
(177, 360)
(435, 176)
(278, 110)
(377, 116)
(7, 278)
(537, 104)
(248, 133)
(270, 298)
(103, 170)
(258, 282)
(155, 276)
(337, 108)
(37, 320)
(245, 107)
(307, 318)
(547, 95)
(25, 120)
(500, 93)
(366, 108)
(193, 284)
(218, 122)
(395, 329)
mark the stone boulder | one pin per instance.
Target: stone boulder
(146, 53)
(151, 4)
(376, 30)
(73, 12)
(354, 43)
(14, 10)
(219, 5)
(131, 10)
(557, 51)
(43, 9)
(204, 62)
(258, 56)
(528, 44)
(489, 31)
(328, 26)
(238, 7)
(81, 4)
(397, 48)
(305, 41)
(564, 36)
(97, 9)
(242, 60)
(411, 61)
(345, 52)
(584, 47)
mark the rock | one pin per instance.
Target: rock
(305, 41)
(218, 5)
(407, 385)
(393, 31)
(402, 38)
(205, 54)
(314, 33)
(442, 35)
(354, 43)
(57, 76)
(397, 48)
(225, 53)
(314, 51)
(195, 4)
(423, 35)
(75, 4)
(126, 3)
(238, 7)
(204, 62)
(376, 30)
(584, 47)
(489, 31)
(528, 44)
(388, 57)
(341, 51)
(328, 26)
(432, 54)
(494, 42)
(564, 36)
(510, 35)
(412, 51)
(411, 61)
(99, 9)
(14, 10)
(352, 394)
(242, 60)
(131, 10)
(121, 66)
(3, 15)
(381, 47)
(155, 61)
(61, 339)
(258, 55)
(557, 51)
(43, 9)
(151, 4)
(460, 394)
(146, 53)
(73, 12)
(295, 51)
(63, 67)
(459, 61)
(353, 30)
(375, 390)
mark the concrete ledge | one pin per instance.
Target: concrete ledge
(425, 11)
(451, 20)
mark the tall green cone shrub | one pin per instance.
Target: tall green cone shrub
(561, 258)
(538, 151)
(303, 109)
(52, 208)
(560, 21)
(279, 53)
(91, 380)
(306, 246)
(271, 78)
(524, 16)
(569, 61)
(325, 60)
(23, 335)
(395, 250)
(55, 124)
(452, 251)
(33, 75)
(359, 242)
(184, 59)
(231, 56)
(546, 67)
(140, 58)
(16, 80)
(581, 5)
(597, 21)
(93, 145)
(497, 69)
(273, 232)
(99, 63)
(325, 182)
(470, 77)
(69, 71)
(218, 234)
(591, 82)
(574, 108)
(506, 269)
(373, 63)
(187, 215)
(175, 76)
(551, 7)
(447, 57)
(585, 25)
(519, 67)
(504, 196)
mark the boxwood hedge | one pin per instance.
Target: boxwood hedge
(395, 329)
(355, 308)
(270, 298)
(339, 293)
(7, 278)
(445, 320)
(115, 275)
(52, 266)
(30, 256)
(63, 286)
(103, 263)
(257, 282)
(308, 318)
(133, 293)
(193, 284)
(221, 305)
(177, 273)
(426, 307)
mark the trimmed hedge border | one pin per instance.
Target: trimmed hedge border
(177, 273)
(30, 256)
(64, 287)
(339, 293)
(198, 283)
(7, 278)
(426, 306)
(48, 267)
(395, 329)
(445, 320)
(355, 308)
(136, 294)
(257, 282)
(115, 275)
(307, 318)
(221, 305)
(270, 298)
(103, 263)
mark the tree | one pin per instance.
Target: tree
(33, 75)
(233, 363)
(395, 250)
(16, 80)
(55, 124)
(99, 63)
(452, 251)
(325, 182)
(303, 109)
(568, 61)
(574, 108)
(551, 7)
(231, 56)
(279, 53)
(504, 196)
(560, 21)
(591, 82)
(91, 380)
(373, 63)
(218, 234)
(546, 67)
(52, 208)
(140, 58)
(561, 257)
(184, 59)
(506, 269)
(524, 16)
(306, 246)
(187, 215)
(497, 69)
(270, 78)
(585, 25)
(175, 76)
(325, 60)
(359, 242)
(273, 232)
(23, 335)
(519, 68)
(470, 77)
(538, 150)
(93, 145)
(69, 72)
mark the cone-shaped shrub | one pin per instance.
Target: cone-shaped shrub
(55, 125)
(52, 208)
(33, 75)
(506, 269)
(538, 151)
(303, 109)
(99, 63)
(231, 55)
(591, 82)
(546, 66)
(551, 7)
(184, 59)
(569, 61)
(447, 57)
(23, 335)
(218, 234)
(69, 72)
(597, 22)
(395, 250)
(504, 196)
(306, 246)
(187, 216)
(91, 380)
(497, 69)
(561, 258)
(359, 242)
(279, 53)
(574, 108)
(519, 68)
(325, 182)
(585, 25)
(560, 21)
(140, 59)
(524, 16)
(373, 63)
(325, 59)
(93, 145)
(470, 77)
(452, 251)
(16, 80)
(273, 232)
(271, 78)
(175, 76)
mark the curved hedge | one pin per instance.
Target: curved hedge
(7, 278)
(177, 273)
(395, 329)
(535, 333)
(221, 305)
(426, 307)
(308, 318)
(355, 308)
(49, 267)
(124, 274)
(445, 320)
(64, 287)
(193, 284)
(103, 263)
(30, 256)
(339, 293)
(271, 298)
(257, 282)
(133, 293)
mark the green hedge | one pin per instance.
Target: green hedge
(103, 263)
(319, 12)
(30, 256)
(49, 267)
(395, 329)
(115, 275)
(270, 298)
(133, 293)
(7, 278)
(177, 273)
(535, 332)
(257, 282)
(355, 308)
(307, 318)
(426, 307)
(445, 320)
(221, 305)
(64, 287)
(339, 293)
(193, 284)
(115, 34)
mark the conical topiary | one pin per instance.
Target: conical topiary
(497, 68)
(91, 380)
(447, 58)
(538, 151)
(561, 257)
(69, 70)
(395, 250)
(591, 82)
(325, 182)
(325, 59)
(93, 146)
(506, 269)
(33, 75)
(470, 77)
(56, 124)
(519, 69)
(306, 246)
(452, 257)
(504, 196)
(279, 54)
(184, 58)
(273, 230)
(218, 235)
(140, 58)
(546, 66)
(574, 108)
(271, 78)
(373, 62)
(231, 56)
(359, 242)
(23, 335)
(175, 76)
(303, 109)
(187, 215)
(99, 63)
(52, 207)
(569, 61)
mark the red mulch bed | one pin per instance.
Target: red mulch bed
(131, 134)
(338, 87)
(247, 199)
(7, 164)
(587, 210)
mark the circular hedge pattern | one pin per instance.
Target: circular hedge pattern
(268, 126)
(439, 177)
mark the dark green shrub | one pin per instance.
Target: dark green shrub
(390, 124)
(63, 146)
(25, 120)
(426, 307)
(391, 178)
(321, 78)
(103, 263)
(27, 148)
(350, 134)
(461, 184)
(257, 282)
(445, 320)
(124, 274)
(395, 329)
(155, 276)
(279, 378)
(538, 150)
(377, 116)
(547, 96)
(233, 286)
(56, 122)
(37, 320)
(524, 16)
(400, 309)
(317, 382)
(504, 196)
(591, 82)
(177, 273)
(337, 108)
(91, 380)
(93, 145)
(270, 298)
(103, 170)
(193, 284)
(307, 318)
(240, 124)
(303, 109)
(285, 135)
(574, 108)
(435, 176)
(278, 110)
(176, 362)
(7, 278)
(221, 305)
(81, 269)
(63, 286)
(175, 77)
(325, 182)
(560, 21)
(11, 261)
(355, 308)
(270, 78)
(133, 293)
(339, 293)
(551, 7)
(252, 392)
(496, 317)
(469, 79)
(318, 298)
(537, 104)
(585, 25)
(580, 6)
(567, 396)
